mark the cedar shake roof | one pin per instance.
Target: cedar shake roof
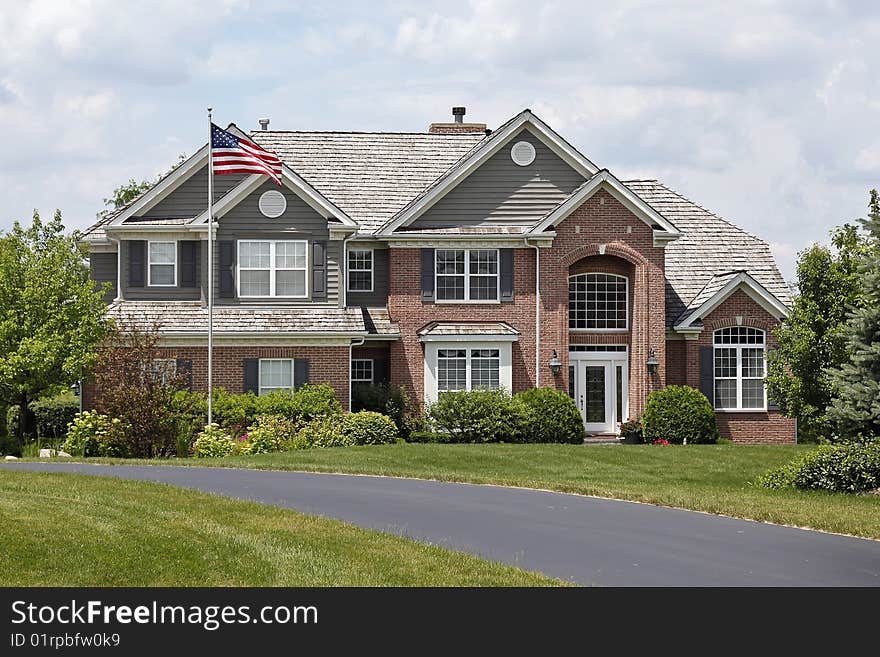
(468, 328)
(191, 317)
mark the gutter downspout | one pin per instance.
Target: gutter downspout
(537, 310)
(119, 296)
(344, 268)
(353, 343)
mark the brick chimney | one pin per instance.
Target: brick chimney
(458, 126)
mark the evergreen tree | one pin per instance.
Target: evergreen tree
(856, 382)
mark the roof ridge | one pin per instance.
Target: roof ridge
(365, 132)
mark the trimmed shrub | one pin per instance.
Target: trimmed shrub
(271, 433)
(551, 416)
(479, 416)
(369, 428)
(428, 437)
(52, 415)
(679, 414)
(393, 401)
(322, 432)
(848, 468)
(237, 412)
(213, 442)
(91, 433)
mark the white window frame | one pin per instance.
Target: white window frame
(150, 263)
(505, 363)
(260, 387)
(372, 370)
(372, 268)
(739, 371)
(467, 277)
(602, 330)
(272, 270)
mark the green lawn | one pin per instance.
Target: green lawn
(75, 530)
(713, 478)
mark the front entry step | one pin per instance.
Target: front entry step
(602, 440)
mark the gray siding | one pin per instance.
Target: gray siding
(299, 222)
(102, 268)
(378, 298)
(191, 197)
(502, 192)
(147, 293)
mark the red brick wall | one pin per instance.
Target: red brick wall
(748, 427)
(326, 365)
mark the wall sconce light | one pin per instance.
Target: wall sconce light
(652, 363)
(555, 363)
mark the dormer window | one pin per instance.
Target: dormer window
(162, 264)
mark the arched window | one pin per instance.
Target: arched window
(598, 302)
(739, 369)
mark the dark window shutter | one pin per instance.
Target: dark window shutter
(771, 405)
(427, 274)
(137, 262)
(380, 370)
(252, 375)
(300, 372)
(185, 369)
(226, 256)
(189, 258)
(707, 373)
(319, 270)
(506, 269)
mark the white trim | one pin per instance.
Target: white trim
(372, 363)
(164, 187)
(606, 180)
(473, 337)
(161, 264)
(601, 330)
(610, 360)
(459, 241)
(505, 364)
(495, 143)
(260, 362)
(467, 276)
(272, 270)
(750, 286)
(348, 268)
(738, 347)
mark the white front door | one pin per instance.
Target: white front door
(600, 389)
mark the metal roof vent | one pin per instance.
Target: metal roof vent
(264, 124)
(273, 204)
(458, 114)
(522, 153)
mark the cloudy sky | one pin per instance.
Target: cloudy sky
(764, 112)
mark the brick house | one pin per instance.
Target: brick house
(452, 259)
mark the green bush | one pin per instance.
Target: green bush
(9, 446)
(271, 433)
(52, 415)
(237, 412)
(551, 417)
(321, 432)
(12, 419)
(679, 414)
(393, 401)
(428, 437)
(479, 416)
(213, 442)
(91, 433)
(369, 428)
(849, 468)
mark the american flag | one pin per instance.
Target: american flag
(231, 154)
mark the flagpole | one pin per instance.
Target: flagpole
(210, 273)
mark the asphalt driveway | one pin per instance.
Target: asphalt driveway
(585, 540)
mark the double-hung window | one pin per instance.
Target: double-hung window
(275, 374)
(739, 369)
(360, 270)
(272, 268)
(467, 369)
(467, 275)
(162, 264)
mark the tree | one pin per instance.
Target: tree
(812, 339)
(51, 316)
(125, 194)
(855, 410)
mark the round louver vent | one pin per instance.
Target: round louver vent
(522, 153)
(273, 204)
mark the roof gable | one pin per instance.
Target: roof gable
(722, 286)
(481, 153)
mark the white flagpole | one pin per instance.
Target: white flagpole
(210, 272)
